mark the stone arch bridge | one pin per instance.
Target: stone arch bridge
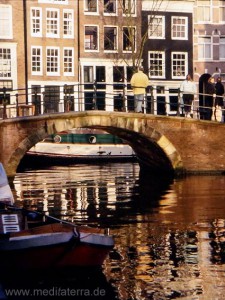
(166, 145)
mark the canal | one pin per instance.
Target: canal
(169, 234)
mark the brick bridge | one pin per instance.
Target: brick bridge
(162, 144)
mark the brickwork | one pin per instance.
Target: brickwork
(163, 144)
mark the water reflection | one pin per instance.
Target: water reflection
(169, 234)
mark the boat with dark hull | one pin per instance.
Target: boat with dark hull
(33, 240)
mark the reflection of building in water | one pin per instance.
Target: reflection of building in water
(73, 197)
(167, 255)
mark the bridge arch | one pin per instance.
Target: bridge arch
(163, 144)
(154, 150)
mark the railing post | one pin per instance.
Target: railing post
(95, 95)
(67, 100)
(17, 105)
(124, 98)
(178, 103)
(4, 103)
(214, 108)
(35, 103)
(152, 100)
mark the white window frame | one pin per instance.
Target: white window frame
(41, 59)
(88, 12)
(91, 74)
(97, 48)
(201, 4)
(185, 60)
(204, 58)
(133, 11)
(70, 23)
(6, 63)
(162, 64)
(50, 34)
(53, 1)
(151, 34)
(33, 19)
(8, 22)
(50, 73)
(115, 50)
(185, 27)
(71, 62)
(134, 39)
(111, 13)
(222, 44)
(222, 11)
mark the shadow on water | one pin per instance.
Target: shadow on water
(144, 196)
(53, 284)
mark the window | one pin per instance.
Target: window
(6, 22)
(110, 6)
(36, 60)
(91, 38)
(68, 21)
(100, 74)
(222, 48)
(129, 38)
(36, 25)
(88, 74)
(179, 65)
(222, 10)
(5, 63)
(157, 64)
(52, 61)
(179, 28)
(52, 23)
(118, 78)
(203, 11)
(156, 27)
(90, 6)
(51, 99)
(110, 38)
(129, 7)
(204, 48)
(53, 1)
(60, 1)
(68, 61)
(129, 73)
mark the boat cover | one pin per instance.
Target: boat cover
(6, 195)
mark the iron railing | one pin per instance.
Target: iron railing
(97, 96)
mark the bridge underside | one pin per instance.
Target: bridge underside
(150, 156)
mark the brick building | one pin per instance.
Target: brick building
(12, 50)
(79, 55)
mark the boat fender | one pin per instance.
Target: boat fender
(57, 138)
(92, 139)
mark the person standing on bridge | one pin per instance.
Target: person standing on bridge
(188, 89)
(139, 82)
(219, 113)
(209, 98)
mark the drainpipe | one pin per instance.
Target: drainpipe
(25, 48)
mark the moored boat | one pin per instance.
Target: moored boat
(32, 240)
(6, 195)
(81, 145)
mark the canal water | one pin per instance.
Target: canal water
(169, 234)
